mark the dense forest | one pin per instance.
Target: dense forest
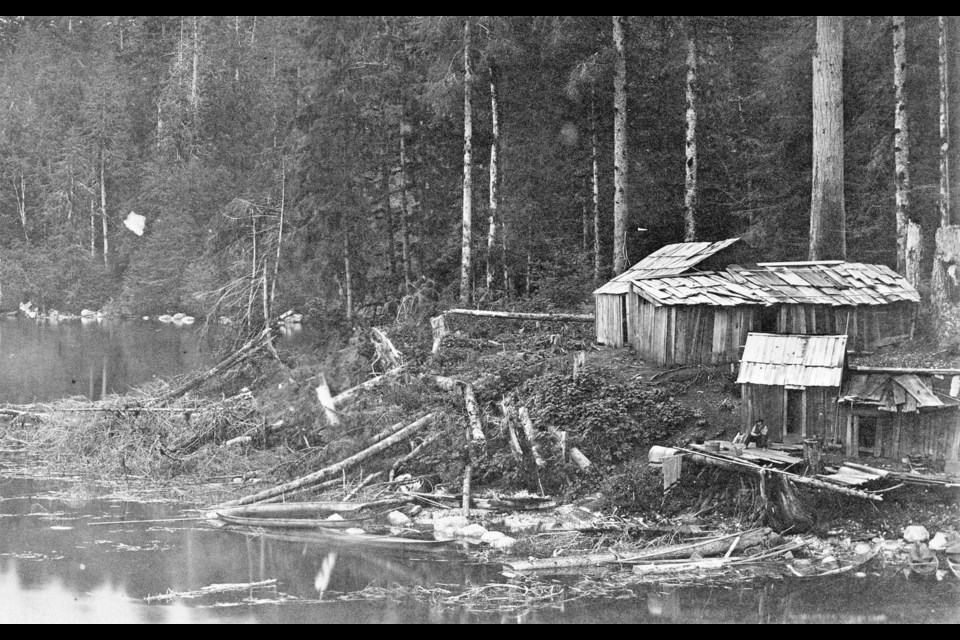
(351, 166)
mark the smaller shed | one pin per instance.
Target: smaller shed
(792, 382)
(612, 311)
(898, 414)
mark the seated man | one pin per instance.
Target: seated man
(757, 435)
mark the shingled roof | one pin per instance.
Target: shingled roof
(905, 392)
(709, 288)
(829, 283)
(793, 360)
(673, 259)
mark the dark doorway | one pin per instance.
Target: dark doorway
(867, 436)
(766, 320)
(793, 420)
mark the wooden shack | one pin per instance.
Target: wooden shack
(900, 413)
(792, 383)
(697, 318)
(871, 304)
(612, 300)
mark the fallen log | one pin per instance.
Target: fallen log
(714, 546)
(576, 456)
(708, 548)
(323, 474)
(234, 359)
(211, 589)
(748, 467)
(528, 431)
(469, 401)
(326, 401)
(562, 317)
(345, 397)
(413, 454)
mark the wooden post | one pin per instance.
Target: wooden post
(439, 327)
(579, 360)
(812, 456)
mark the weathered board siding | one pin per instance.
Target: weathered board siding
(819, 411)
(610, 319)
(934, 434)
(868, 327)
(683, 335)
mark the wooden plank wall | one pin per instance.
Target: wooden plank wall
(822, 413)
(633, 317)
(687, 335)
(609, 320)
(766, 402)
(869, 327)
(934, 434)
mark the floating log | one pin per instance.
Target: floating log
(561, 317)
(318, 476)
(712, 547)
(211, 589)
(706, 548)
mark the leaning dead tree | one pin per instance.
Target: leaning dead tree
(250, 236)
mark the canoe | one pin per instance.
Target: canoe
(328, 536)
(293, 523)
(922, 562)
(307, 509)
(826, 569)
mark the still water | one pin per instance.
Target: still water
(43, 360)
(60, 562)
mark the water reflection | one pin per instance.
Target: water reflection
(44, 361)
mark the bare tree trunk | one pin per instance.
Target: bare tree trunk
(465, 269)
(945, 217)
(691, 195)
(195, 80)
(103, 207)
(388, 214)
(276, 265)
(494, 180)
(901, 141)
(945, 279)
(404, 208)
(620, 169)
(597, 260)
(827, 213)
(93, 229)
(21, 194)
(347, 275)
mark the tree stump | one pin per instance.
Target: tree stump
(812, 456)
